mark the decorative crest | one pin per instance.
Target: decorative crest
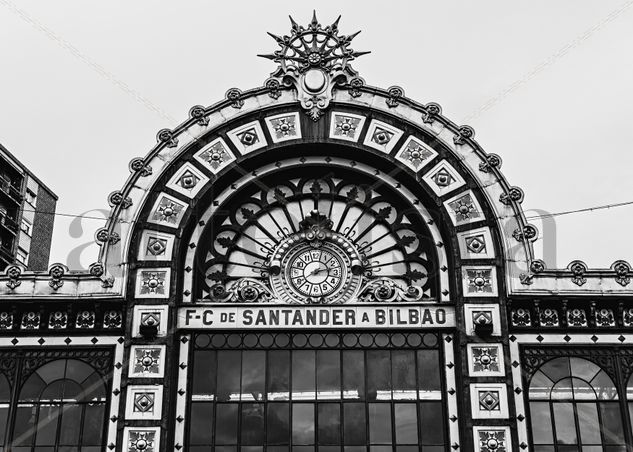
(313, 59)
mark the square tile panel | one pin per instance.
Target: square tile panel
(284, 127)
(144, 402)
(141, 439)
(464, 209)
(150, 315)
(153, 283)
(167, 211)
(215, 156)
(156, 246)
(248, 138)
(147, 361)
(188, 180)
(492, 439)
(443, 178)
(479, 281)
(476, 244)
(489, 400)
(381, 136)
(415, 154)
(346, 126)
(485, 360)
(474, 312)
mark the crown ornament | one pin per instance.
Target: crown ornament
(314, 59)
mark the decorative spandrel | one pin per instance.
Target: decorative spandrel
(324, 240)
(313, 60)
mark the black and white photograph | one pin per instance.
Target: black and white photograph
(316, 226)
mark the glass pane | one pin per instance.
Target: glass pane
(71, 425)
(611, 423)
(556, 369)
(278, 375)
(32, 388)
(429, 369)
(582, 390)
(201, 423)
(540, 386)
(562, 390)
(252, 423)
(588, 423)
(354, 423)
(226, 423)
(47, 425)
(603, 385)
(380, 449)
(379, 423)
(228, 375)
(406, 423)
(302, 423)
(583, 368)
(278, 425)
(204, 373)
(253, 373)
(93, 389)
(353, 374)
(4, 414)
(378, 375)
(403, 374)
(303, 375)
(329, 422)
(564, 422)
(24, 429)
(93, 425)
(432, 421)
(541, 422)
(328, 374)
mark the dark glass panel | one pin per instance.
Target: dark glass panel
(229, 364)
(564, 422)
(354, 423)
(252, 426)
(611, 423)
(354, 449)
(253, 375)
(302, 448)
(278, 423)
(541, 423)
(201, 423)
(70, 425)
(5, 389)
(200, 449)
(303, 374)
(4, 414)
(52, 371)
(93, 424)
(432, 420)
(329, 448)
(302, 423)
(429, 369)
(93, 389)
(406, 423)
(278, 375)
(354, 374)
(32, 388)
(588, 423)
(403, 374)
(277, 449)
(55, 391)
(204, 372)
(380, 449)
(379, 423)
(225, 449)
(406, 448)
(78, 371)
(329, 422)
(378, 375)
(544, 449)
(47, 420)
(328, 370)
(24, 429)
(226, 423)
(556, 369)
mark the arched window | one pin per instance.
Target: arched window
(61, 407)
(573, 402)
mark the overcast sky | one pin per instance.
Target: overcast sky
(85, 86)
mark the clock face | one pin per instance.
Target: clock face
(316, 272)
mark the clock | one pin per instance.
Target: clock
(316, 265)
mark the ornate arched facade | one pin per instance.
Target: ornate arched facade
(316, 263)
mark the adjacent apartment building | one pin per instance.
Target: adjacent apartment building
(27, 213)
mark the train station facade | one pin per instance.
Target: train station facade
(317, 265)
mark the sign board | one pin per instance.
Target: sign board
(324, 317)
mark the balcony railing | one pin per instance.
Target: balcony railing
(8, 222)
(7, 187)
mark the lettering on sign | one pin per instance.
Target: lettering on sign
(224, 317)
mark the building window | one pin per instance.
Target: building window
(31, 197)
(574, 404)
(22, 256)
(61, 402)
(26, 226)
(296, 392)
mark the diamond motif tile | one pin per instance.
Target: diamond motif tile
(415, 154)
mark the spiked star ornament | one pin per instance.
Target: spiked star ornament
(313, 60)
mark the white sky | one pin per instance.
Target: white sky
(85, 86)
